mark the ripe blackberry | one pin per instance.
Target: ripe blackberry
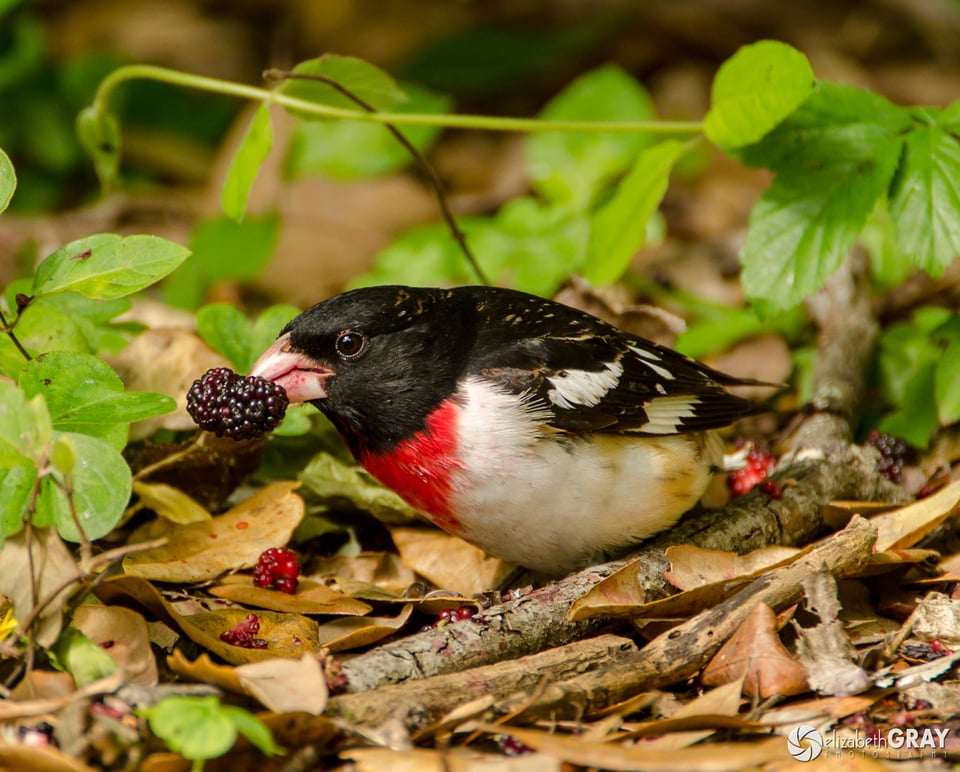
(231, 405)
(894, 453)
(277, 567)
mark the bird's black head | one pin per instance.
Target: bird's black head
(376, 360)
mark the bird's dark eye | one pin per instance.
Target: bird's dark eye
(350, 344)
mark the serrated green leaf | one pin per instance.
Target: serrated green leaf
(195, 727)
(925, 200)
(754, 90)
(8, 180)
(84, 394)
(82, 658)
(227, 249)
(349, 150)
(618, 229)
(834, 157)
(99, 134)
(101, 484)
(108, 266)
(947, 385)
(227, 331)
(570, 167)
(250, 154)
(364, 80)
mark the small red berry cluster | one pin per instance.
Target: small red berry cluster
(450, 615)
(278, 567)
(244, 633)
(758, 464)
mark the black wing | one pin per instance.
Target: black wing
(591, 376)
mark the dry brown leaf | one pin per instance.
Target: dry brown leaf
(714, 757)
(353, 632)
(447, 561)
(170, 503)
(123, 635)
(755, 655)
(52, 565)
(19, 756)
(385, 570)
(232, 541)
(825, 649)
(286, 685)
(722, 701)
(907, 525)
(938, 617)
(203, 670)
(287, 635)
(310, 597)
(621, 595)
(692, 566)
(764, 358)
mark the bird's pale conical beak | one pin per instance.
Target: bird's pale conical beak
(300, 376)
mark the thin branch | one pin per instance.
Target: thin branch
(458, 235)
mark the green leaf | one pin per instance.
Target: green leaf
(84, 394)
(16, 485)
(227, 331)
(250, 154)
(947, 385)
(107, 266)
(227, 249)
(195, 727)
(25, 428)
(82, 658)
(41, 329)
(337, 484)
(266, 329)
(570, 167)
(349, 150)
(101, 484)
(99, 134)
(253, 729)
(916, 419)
(834, 157)
(8, 180)
(618, 229)
(754, 90)
(925, 200)
(364, 80)
(950, 117)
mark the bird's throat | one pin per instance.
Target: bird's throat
(420, 469)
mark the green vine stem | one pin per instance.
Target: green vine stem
(480, 122)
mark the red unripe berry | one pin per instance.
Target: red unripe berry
(277, 567)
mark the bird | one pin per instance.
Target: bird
(535, 431)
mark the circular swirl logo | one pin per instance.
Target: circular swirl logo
(804, 743)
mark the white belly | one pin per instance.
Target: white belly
(535, 507)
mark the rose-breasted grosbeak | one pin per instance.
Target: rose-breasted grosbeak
(535, 431)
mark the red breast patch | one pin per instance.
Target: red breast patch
(420, 469)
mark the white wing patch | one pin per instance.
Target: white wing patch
(665, 414)
(582, 387)
(649, 357)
